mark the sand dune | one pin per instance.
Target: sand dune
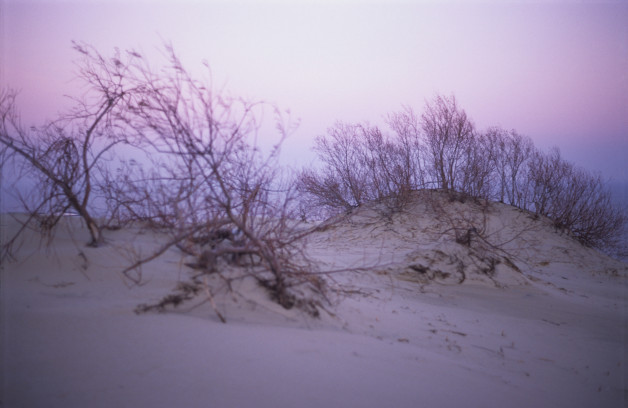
(523, 316)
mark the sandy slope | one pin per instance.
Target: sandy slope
(547, 327)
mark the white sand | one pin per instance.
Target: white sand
(552, 334)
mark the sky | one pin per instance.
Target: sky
(556, 71)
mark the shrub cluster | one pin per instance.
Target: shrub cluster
(195, 172)
(441, 148)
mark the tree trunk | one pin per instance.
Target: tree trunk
(96, 238)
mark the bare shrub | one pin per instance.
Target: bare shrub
(575, 200)
(63, 156)
(342, 182)
(589, 213)
(361, 164)
(407, 128)
(390, 169)
(512, 152)
(448, 134)
(440, 148)
(208, 180)
(476, 174)
(201, 177)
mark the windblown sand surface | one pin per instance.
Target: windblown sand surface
(528, 318)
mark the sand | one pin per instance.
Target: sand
(547, 327)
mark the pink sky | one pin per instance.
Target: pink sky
(555, 71)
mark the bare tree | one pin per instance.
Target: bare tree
(203, 178)
(448, 133)
(407, 127)
(476, 173)
(545, 174)
(63, 155)
(211, 187)
(511, 153)
(390, 169)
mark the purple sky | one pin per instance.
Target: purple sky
(556, 71)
